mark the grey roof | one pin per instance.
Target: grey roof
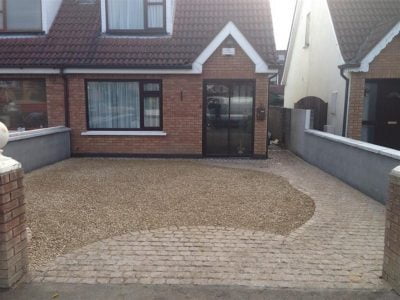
(361, 24)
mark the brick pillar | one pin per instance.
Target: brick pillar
(391, 265)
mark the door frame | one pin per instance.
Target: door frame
(229, 83)
(379, 128)
(380, 136)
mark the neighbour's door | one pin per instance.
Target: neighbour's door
(388, 114)
(229, 118)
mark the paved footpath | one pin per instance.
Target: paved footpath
(340, 247)
(182, 292)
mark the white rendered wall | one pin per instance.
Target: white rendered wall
(314, 70)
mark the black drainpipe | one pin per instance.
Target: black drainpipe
(346, 102)
(66, 97)
(269, 103)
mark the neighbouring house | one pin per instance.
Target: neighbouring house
(344, 58)
(140, 77)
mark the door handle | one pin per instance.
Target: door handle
(392, 122)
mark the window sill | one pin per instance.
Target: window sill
(124, 133)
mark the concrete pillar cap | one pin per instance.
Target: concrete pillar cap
(396, 172)
(4, 135)
(7, 164)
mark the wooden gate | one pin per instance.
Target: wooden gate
(319, 109)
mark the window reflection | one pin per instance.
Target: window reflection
(23, 104)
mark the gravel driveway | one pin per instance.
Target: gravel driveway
(80, 201)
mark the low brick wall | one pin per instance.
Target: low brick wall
(391, 264)
(13, 236)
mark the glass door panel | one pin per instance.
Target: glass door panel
(229, 119)
(241, 120)
(217, 119)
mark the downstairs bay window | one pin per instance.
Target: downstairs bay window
(23, 104)
(124, 105)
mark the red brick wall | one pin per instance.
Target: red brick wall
(182, 118)
(391, 264)
(13, 237)
(55, 101)
(229, 67)
(54, 96)
(241, 67)
(385, 66)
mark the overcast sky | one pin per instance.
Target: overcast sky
(282, 14)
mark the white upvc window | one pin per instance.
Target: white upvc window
(20, 16)
(136, 16)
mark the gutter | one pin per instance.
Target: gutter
(66, 96)
(346, 102)
(349, 66)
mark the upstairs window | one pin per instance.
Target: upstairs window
(20, 16)
(136, 16)
(308, 30)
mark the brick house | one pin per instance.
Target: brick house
(140, 77)
(346, 54)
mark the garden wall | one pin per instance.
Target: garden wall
(38, 148)
(364, 166)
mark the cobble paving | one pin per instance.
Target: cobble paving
(340, 247)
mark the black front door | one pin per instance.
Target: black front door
(229, 118)
(388, 114)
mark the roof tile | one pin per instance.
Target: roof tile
(361, 24)
(75, 37)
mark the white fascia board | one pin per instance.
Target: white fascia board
(170, 7)
(50, 9)
(196, 70)
(292, 40)
(29, 71)
(44, 16)
(365, 63)
(231, 29)
(103, 16)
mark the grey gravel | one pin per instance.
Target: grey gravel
(80, 201)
